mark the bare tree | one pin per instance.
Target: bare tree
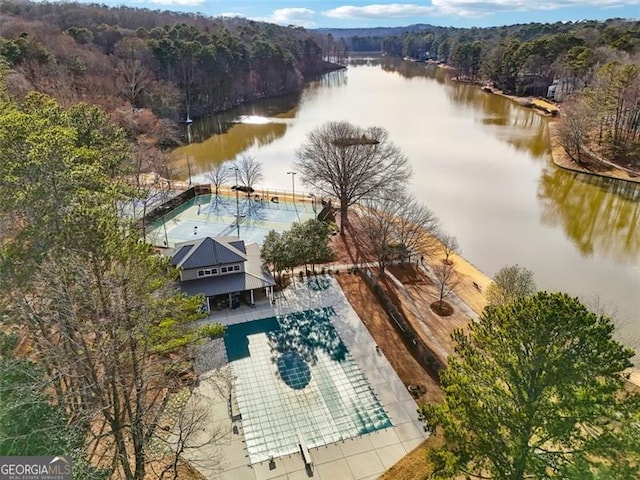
(191, 437)
(374, 231)
(509, 284)
(448, 246)
(133, 75)
(447, 280)
(218, 174)
(394, 228)
(351, 163)
(416, 227)
(249, 171)
(574, 128)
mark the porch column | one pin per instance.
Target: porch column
(252, 302)
(230, 305)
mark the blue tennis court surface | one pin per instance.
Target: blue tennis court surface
(211, 215)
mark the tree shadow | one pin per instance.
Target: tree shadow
(252, 211)
(307, 333)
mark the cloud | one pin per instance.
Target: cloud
(395, 10)
(303, 17)
(230, 14)
(470, 8)
(463, 8)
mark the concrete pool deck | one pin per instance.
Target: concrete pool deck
(362, 457)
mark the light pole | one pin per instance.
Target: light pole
(293, 191)
(313, 202)
(188, 150)
(237, 204)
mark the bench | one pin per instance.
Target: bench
(304, 451)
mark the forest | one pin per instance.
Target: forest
(150, 70)
(169, 62)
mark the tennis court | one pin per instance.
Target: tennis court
(247, 217)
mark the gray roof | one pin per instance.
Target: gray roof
(207, 252)
(239, 244)
(234, 282)
(179, 254)
(254, 276)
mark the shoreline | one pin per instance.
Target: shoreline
(558, 155)
(560, 158)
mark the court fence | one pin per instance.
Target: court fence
(172, 204)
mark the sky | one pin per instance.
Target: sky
(374, 13)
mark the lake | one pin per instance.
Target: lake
(480, 162)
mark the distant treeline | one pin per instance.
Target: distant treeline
(166, 61)
(519, 59)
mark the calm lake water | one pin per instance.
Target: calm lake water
(480, 162)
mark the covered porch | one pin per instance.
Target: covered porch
(234, 300)
(232, 291)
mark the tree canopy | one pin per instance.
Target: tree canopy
(509, 284)
(394, 229)
(534, 390)
(166, 61)
(303, 244)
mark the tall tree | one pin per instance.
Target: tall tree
(351, 163)
(67, 163)
(249, 171)
(99, 310)
(575, 128)
(105, 328)
(531, 390)
(218, 174)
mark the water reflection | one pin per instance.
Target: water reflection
(522, 128)
(335, 79)
(222, 147)
(220, 138)
(597, 214)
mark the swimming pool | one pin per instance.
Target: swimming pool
(294, 376)
(215, 216)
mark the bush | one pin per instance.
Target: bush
(211, 330)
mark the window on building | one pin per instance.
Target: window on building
(224, 269)
(236, 268)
